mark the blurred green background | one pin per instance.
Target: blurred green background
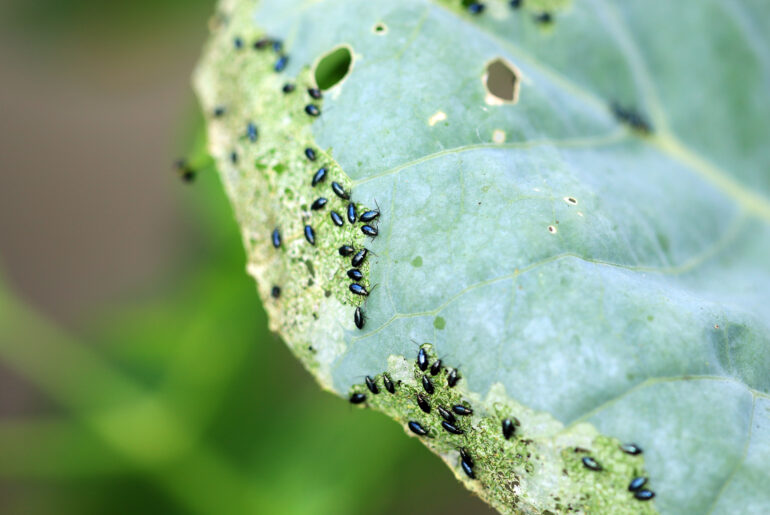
(137, 373)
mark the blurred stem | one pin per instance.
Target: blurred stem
(129, 420)
(53, 448)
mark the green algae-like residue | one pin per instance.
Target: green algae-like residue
(539, 470)
(269, 184)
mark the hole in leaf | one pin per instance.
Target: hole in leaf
(502, 82)
(333, 67)
(380, 28)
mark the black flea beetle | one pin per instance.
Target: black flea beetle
(423, 403)
(422, 359)
(312, 110)
(631, 448)
(452, 378)
(369, 230)
(340, 191)
(644, 495)
(187, 173)
(359, 258)
(276, 292)
(288, 87)
(276, 238)
(462, 410)
(389, 386)
(371, 385)
(261, 43)
(416, 428)
(281, 63)
(336, 219)
(637, 483)
(465, 456)
(476, 8)
(508, 428)
(360, 320)
(451, 428)
(319, 203)
(355, 274)
(357, 289)
(427, 384)
(310, 153)
(314, 92)
(310, 235)
(590, 463)
(251, 132)
(435, 368)
(368, 216)
(357, 398)
(468, 468)
(351, 213)
(631, 117)
(346, 250)
(319, 176)
(446, 414)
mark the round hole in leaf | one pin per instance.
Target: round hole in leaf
(380, 28)
(333, 67)
(502, 82)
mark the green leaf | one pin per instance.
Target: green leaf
(599, 273)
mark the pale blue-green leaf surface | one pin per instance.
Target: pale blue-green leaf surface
(599, 274)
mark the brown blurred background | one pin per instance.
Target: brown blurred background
(127, 287)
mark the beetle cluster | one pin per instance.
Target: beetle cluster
(321, 176)
(636, 486)
(475, 7)
(453, 416)
(367, 219)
